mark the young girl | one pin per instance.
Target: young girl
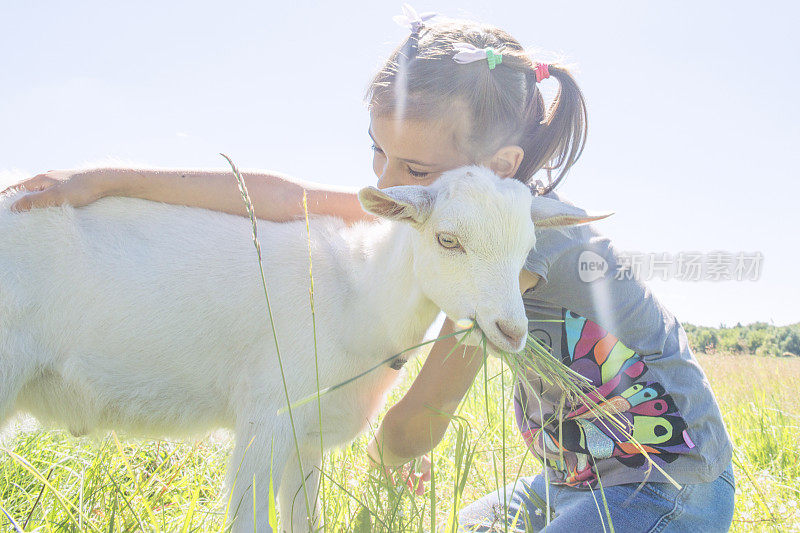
(457, 93)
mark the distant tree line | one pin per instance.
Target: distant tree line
(759, 338)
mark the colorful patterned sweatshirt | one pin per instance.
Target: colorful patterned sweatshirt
(607, 325)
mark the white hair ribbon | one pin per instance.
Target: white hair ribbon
(411, 19)
(468, 52)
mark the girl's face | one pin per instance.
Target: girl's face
(412, 152)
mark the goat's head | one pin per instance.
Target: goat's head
(474, 232)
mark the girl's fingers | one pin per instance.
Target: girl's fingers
(23, 204)
(30, 184)
(416, 483)
(14, 186)
(19, 206)
(46, 198)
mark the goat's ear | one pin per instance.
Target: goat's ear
(549, 213)
(405, 203)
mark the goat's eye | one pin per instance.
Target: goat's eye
(447, 240)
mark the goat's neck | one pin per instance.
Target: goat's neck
(392, 311)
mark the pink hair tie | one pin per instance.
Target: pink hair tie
(542, 71)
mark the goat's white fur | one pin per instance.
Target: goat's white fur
(151, 318)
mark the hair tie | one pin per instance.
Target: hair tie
(542, 71)
(411, 19)
(468, 53)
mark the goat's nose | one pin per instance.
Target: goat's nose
(513, 333)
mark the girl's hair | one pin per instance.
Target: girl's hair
(420, 80)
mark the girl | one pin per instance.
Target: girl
(456, 93)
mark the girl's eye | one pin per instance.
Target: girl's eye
(447, 240)
(410, 171)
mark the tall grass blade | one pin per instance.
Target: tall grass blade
(321, 494)
(605, 502)
(327, 390)
(187, 521)
(251, 213)
(271, 510)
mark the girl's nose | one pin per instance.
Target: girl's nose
(387, 179)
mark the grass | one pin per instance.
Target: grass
(759, 401)
(175, 486)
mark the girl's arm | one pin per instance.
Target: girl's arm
(416, 424)
(275, 196)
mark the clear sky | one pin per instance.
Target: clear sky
(693, 109)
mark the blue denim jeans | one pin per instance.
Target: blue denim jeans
(657, 507)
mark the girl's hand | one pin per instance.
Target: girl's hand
(414, 473)
(56, 187)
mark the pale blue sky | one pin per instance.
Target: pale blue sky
(693, 109)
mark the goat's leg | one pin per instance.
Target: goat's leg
(296, 517)
(263, 448)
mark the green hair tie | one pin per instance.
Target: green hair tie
(492, 58)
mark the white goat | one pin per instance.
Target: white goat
(151, 318)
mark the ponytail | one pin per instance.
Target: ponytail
(553, 140)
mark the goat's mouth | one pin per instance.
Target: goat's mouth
(499, 339)
(509, 345)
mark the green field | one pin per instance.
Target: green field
(54, 482)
